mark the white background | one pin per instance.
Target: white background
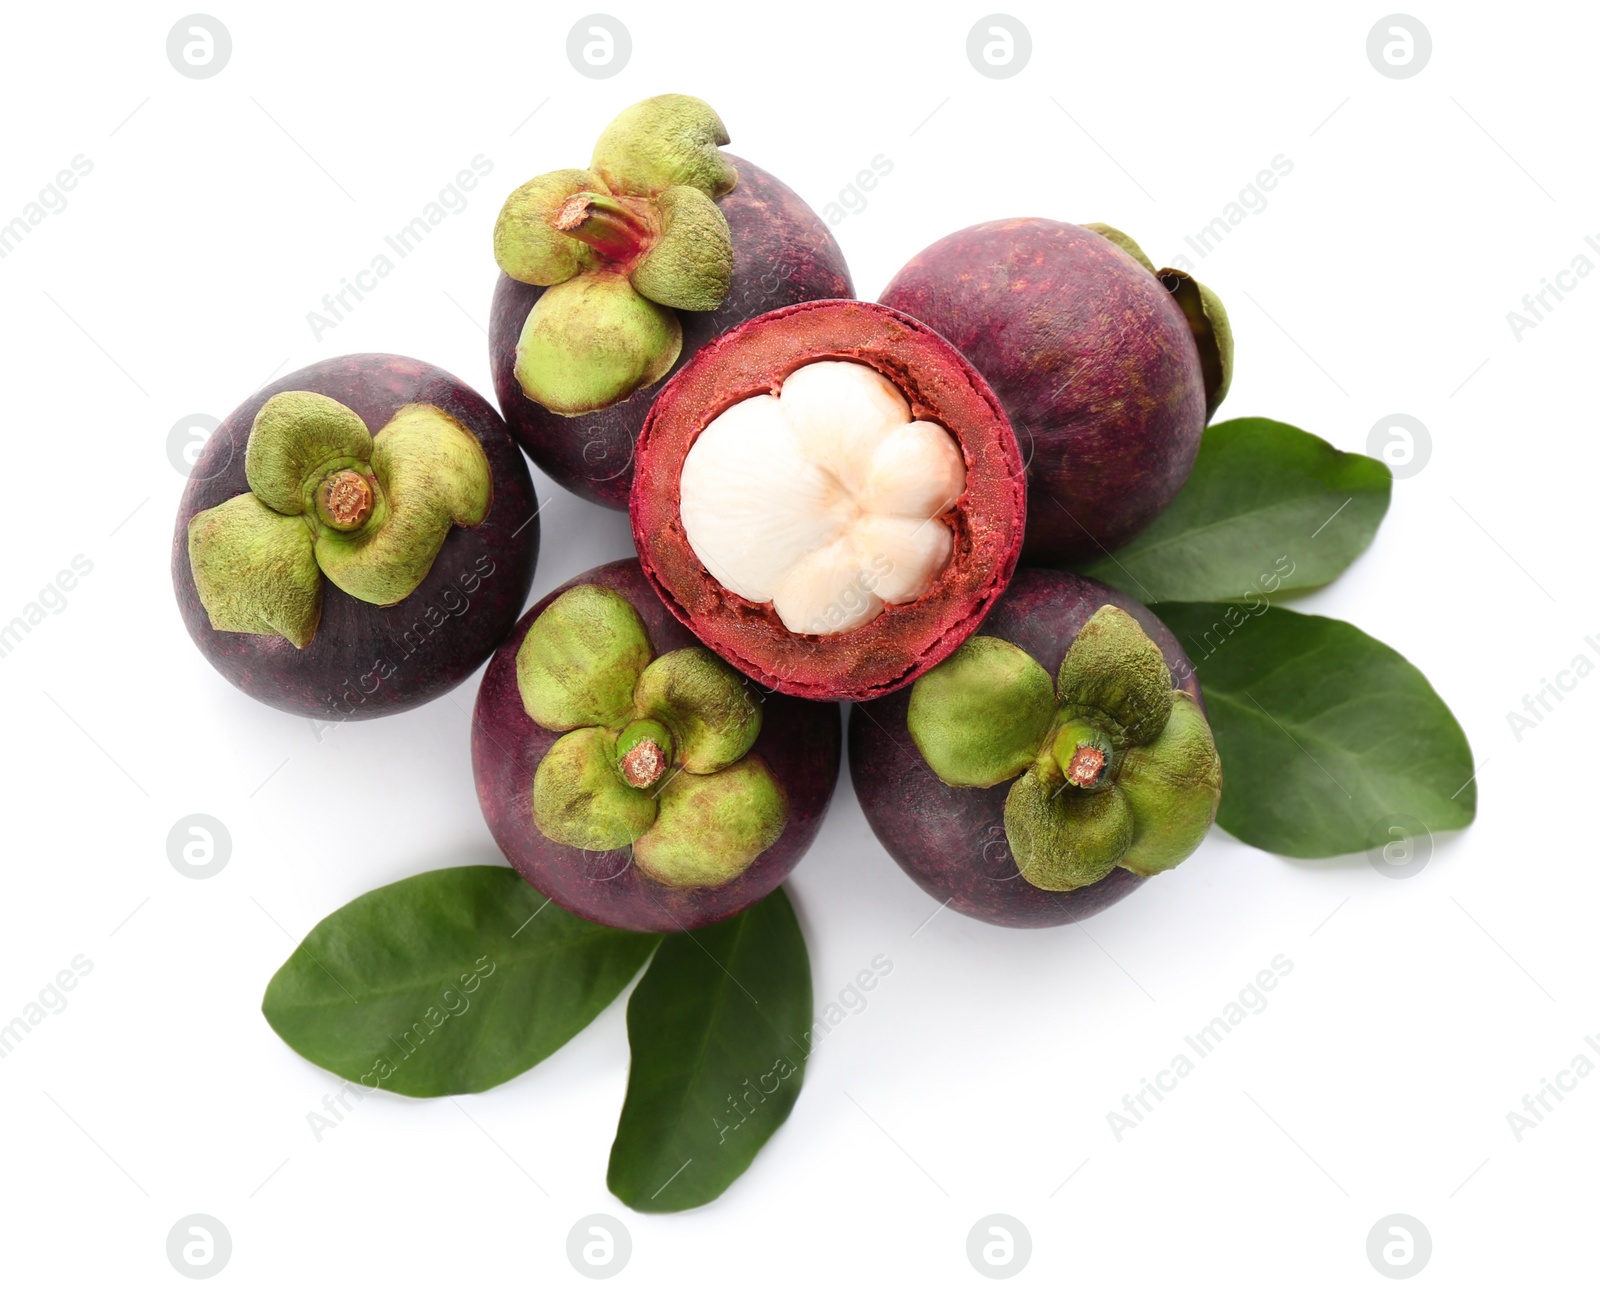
(979, 1077)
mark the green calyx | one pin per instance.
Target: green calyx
(330, 500)
(656, 751)
(1208, 321)
(620, 246)
(1112, 765)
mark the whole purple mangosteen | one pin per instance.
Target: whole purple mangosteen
(635, 777)
(1107, 368)
(355, 539)
(613, 277)
(1050, 765)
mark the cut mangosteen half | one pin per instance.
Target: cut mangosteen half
(830, 497)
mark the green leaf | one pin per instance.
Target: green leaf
(1268, 509)
(717, 1029)
(451, 981)
(1324, 732)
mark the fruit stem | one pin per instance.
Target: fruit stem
(1083, 769)
(1082, 753)
(644, 753)
(614, 227)
(644, 764)
(344, 499)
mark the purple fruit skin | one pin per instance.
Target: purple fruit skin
(800, 741)
(433, 639)
(1093, 360)
(952, 840)
(782, 254)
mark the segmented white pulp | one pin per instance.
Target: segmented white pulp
(826, 500)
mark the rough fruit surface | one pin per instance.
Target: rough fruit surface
(630, 774)
(856, 576)
(400, 559)
(1093, 359)
(960, 843)
(782, 253)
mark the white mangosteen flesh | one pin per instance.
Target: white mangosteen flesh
(826, 500)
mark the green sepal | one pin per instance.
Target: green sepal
(1062, 839)
(1114, 669)
(702, 700)
(526, 245)
(1122, 240)
(1213, 334)
(1173, 787)
(297, 438)
(579, 800)
(710, 828)
(690, 265)
(593, 340)
(432, 474)
(581, 659)
(255, 571)
(980, 716)
(666, 140)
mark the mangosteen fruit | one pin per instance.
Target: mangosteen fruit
(1050, 765)
(633, 776)
(1108, 368)
(355, 539)
(830, 497)
(614, 275)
